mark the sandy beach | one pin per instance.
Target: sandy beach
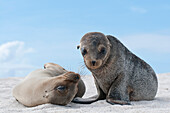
(161, 104)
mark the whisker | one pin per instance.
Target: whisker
(81, 70)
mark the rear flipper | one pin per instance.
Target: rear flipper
(118, 92)
(85, 101)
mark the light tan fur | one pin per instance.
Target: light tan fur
(44, 86)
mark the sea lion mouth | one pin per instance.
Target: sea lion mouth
(93, 64)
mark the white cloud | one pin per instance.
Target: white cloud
(138, 10)
(13, 60)
(151, 42)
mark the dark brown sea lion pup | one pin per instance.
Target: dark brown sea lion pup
(53, 84)
(120, 76)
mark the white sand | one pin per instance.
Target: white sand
(161, 104)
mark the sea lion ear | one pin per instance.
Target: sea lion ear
(107, 36)
(78, 46)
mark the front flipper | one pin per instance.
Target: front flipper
(113, 102)
(118, 92)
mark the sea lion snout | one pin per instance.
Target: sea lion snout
(74, 77)
(93, 64)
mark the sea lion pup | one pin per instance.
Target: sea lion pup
(120, 76)
(53, 84)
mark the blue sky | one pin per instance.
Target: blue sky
(34, 32)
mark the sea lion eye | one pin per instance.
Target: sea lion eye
(84, 51)
(103, 50)
(61, 88)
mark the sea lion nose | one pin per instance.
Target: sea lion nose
(73, 77)
(77, 77)
(93, 63)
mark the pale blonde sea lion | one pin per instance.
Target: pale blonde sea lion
(53, 84)
(120, 76)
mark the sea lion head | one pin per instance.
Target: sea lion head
(95, 49)
(62, 89)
